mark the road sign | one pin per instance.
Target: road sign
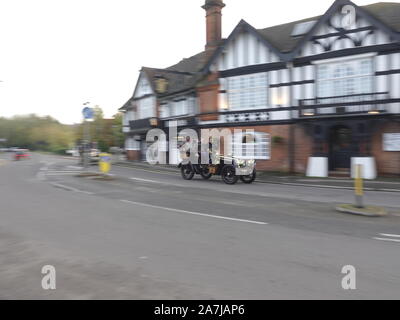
(88, 113)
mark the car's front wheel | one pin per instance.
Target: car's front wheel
(229, 176)
(250, 178)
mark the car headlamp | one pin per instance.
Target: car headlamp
(241, 163)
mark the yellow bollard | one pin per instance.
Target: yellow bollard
(359, 186)
(105, 163)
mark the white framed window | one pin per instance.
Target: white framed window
(345, 78)
(164, 111)
(191, 105)
(179, 108)
(128, 116)
(144, 87)
(146, 108)
(252, 145)
(132, 144)
(248, 92)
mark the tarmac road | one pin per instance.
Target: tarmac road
(150, 235)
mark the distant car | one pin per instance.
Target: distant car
(3, 149)
(94, 155)
(73, 152)
(21, 155)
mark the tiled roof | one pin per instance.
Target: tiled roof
(280, 35)
(387, 12)
(186, 74)
(181, 76)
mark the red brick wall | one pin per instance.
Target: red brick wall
(133, 155)
(388, 163)
(303, 146)
(208, 97)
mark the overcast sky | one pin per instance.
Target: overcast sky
(57, 54)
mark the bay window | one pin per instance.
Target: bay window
(345, 78)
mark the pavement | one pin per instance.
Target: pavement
(148, 234)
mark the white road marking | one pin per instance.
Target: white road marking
(158, 182)
(390, 235)
(387, 239)
(147, 180)
(193, 213)
(61, 186)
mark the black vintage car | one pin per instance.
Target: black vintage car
(230, 169)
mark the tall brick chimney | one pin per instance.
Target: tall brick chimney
(214, 22)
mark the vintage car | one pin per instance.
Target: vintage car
(231, 169)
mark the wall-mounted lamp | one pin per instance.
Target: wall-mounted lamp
(280, 96)
(223, 102)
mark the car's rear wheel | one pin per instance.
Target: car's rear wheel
(205, 173)
(229, 176)
(187, 172)
(250, 178)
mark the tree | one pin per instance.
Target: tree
(106, 133)
(37, 133)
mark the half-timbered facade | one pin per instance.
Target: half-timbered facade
(321, 94)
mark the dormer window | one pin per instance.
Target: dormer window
(161, 85)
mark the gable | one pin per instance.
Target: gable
(244, 46)
(243, 50)
(345, 26)
(143, 87)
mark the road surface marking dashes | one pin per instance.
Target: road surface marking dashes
(193, 213)
(388, 237)
(158, 182)
(64, 187)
